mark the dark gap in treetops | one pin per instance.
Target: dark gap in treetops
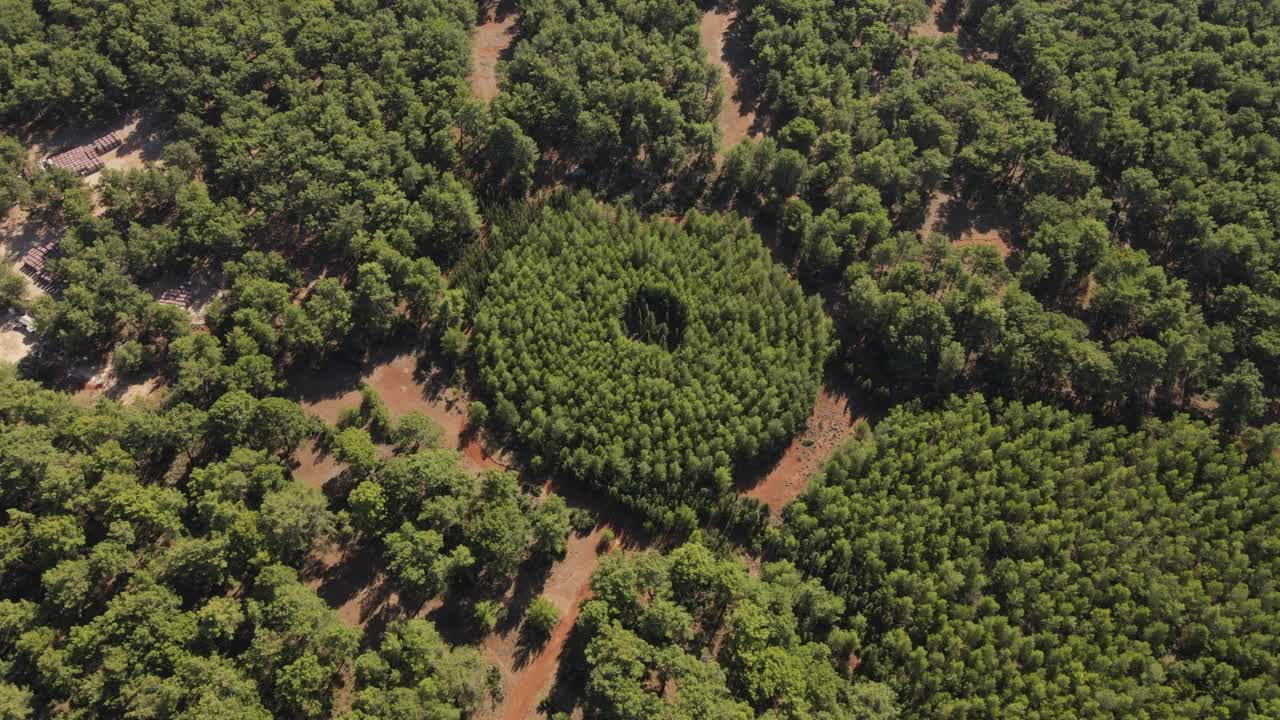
(656, 316)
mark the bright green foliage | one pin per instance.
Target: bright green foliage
(622, 88)
(654, 425)
(415, 431)
(541, 618)
(441, 524)
(655, 622)
(1017, 557)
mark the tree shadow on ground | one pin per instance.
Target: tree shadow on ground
(737, 57)
(857, 404)
(358, 573)
(569, 685)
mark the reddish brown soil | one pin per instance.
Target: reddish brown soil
(314, 468)
(350, 580)
(832, 423)
(527, 675)
(947, 216)
(736, 119)
(488, 43)
(395, 381)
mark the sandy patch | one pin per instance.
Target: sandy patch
(147, 393)
(489, 43)
(736, 117)
(137, 148)
(18, 234)
(940, 23)
(14, 346)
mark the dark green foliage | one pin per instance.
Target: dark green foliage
(654, 427)
(1176, 107)
(655, 622)
(288, 136)
(1017, 557)
(622, 88)
(13, 157)
(129, 591)
(414, 674)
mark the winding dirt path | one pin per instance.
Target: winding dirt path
(735, 118)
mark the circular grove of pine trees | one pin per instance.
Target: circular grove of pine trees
(647, 358)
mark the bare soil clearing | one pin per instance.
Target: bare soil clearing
(142, 142)
(528, 673)
(964, 226)
(350, 580)
(17, 236)
(13, 346)
(397, 379)
(489, 44)
(834, 419)
(736, 118)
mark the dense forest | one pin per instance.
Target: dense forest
(645, 357)
(1108, 312)
(690, 626)
(1026, 249)
(1018, 558)
(151, 570)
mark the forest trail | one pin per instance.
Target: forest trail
(964, 227)
(488, 43)
(832, 422)
(735, 118)
(529, 673)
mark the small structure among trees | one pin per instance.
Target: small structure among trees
(33, 264)
(85, 160)
(178, 297)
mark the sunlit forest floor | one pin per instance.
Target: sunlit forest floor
(737, 118)
(489, 44)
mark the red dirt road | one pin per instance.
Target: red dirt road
(567, 586)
